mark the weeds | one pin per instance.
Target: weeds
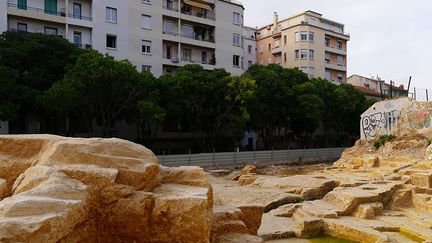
(382, 140)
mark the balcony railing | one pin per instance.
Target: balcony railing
(38, 10)
(167, 32)
(209, 15)
(172, 7)
(83, 46)
(76, 16)
(198, 61)
(198, 37)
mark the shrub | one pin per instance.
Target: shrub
(382, 140)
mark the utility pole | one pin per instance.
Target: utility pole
(427, 95)
(382, 96)
(391, 89)
(409, 84)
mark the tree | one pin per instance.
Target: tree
(98, 84)
(8, 105)
(150, 114)
(210, 102)
(273, 109)
(38, 61)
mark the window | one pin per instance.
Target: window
(236, 61)
(22, 27)
(187, 55)
(311, 36)
(327, 58)
(146, 68)
(303, 53)
(297, 36)
(340, 77)
(236, 18)
(111, 15)
(204, 57)
(170, 27)
(249, 64)
(51, 7)
(146, 21)
(111, 41)
(297, 54)
(236, 39)
(303, 35)
(249, 49)
(339, 45)
(328, 75)
(327, 42)
(146, 47)
(277, 43)
(285, 39)
(188, 31)
(170, 5)
(311, 71)
(77, 39)
(311, 54)
(50, 31)
(285, 57)
(340, 60)
(76, 10)
(269, 46)
(146, 1)
(22, 4)
(261, 49)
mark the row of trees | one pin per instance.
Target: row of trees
(48, 77)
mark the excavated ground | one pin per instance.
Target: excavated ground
(369, 195)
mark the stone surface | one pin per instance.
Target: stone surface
(56, 189)
(423, 179)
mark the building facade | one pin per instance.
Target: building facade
(307, 41)
(249, 47)
(376, 88)
(155, 35)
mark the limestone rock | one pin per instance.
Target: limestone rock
(245, 180)
(368, 210)
(423, 179)
(56, 189)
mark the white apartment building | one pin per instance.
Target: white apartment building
(155, 35)
(249, 46)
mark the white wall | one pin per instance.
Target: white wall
(4, 127)
(3, 16)
(382, 118)
(36, 26)
(225, 28)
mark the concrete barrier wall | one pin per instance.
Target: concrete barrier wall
(240, 158)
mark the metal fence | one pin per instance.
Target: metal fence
(239, 158)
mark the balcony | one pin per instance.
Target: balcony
(75, 16)
(36, 13)
(276, 50)
(335, 66)
(335, 50)
(195, 36)
(172, 6)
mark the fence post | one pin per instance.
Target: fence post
(235, 156)
(317, 154)
(213, 155)
(271, 155)
(189, 159)
(163, 157)
(304, 152)
(287, 154)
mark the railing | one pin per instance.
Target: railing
(75, 16)
(38, 10)
(197, 61)
(209, 15)
(172, 7)
(83, 46)
(240, 158)
(173, 59)
(170, 33)
(197, 37)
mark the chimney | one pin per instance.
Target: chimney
(275, 23)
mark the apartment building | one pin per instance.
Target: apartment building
(315, 45)
(155, 35)
(373, 87)
(249, 46)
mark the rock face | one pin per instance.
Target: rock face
(55, 189)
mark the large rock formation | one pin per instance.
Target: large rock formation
(55, 189)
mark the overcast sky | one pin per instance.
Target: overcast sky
(389, 38)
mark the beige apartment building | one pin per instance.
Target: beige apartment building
(155, 35)
(376, 88)
(315, 45)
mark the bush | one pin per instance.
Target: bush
(382, 140)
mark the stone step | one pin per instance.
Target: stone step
(408, 226)
(274, 227)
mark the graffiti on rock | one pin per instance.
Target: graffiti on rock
(420, 119)
(375, 123)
